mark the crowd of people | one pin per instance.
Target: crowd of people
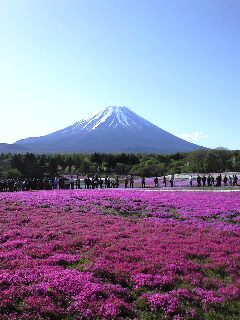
(156, 181)
(210, 181)
(95, 181)
(47, 183)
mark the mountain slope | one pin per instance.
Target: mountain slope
(12, 148)
(114, 129)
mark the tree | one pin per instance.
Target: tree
(11, 174)
(149, 168)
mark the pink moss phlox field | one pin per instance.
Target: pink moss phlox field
(119, 254)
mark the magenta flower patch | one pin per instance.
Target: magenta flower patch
(119, 254)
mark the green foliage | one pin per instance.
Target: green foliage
(227, 311)
(11, 173)
(148, 165)
(149, 168)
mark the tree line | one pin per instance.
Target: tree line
(148, 165)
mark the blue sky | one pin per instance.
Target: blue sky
(176, 63)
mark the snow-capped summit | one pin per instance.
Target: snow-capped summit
(113, 117)
(113, 129)
(109, 117)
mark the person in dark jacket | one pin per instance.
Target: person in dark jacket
(199, 181)
(131, 180)
(164, 181)
(143, 182)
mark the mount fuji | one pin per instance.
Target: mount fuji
(114, 129)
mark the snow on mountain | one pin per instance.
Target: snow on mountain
(113, 129)
(110, 117)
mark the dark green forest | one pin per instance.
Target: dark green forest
(148, 165)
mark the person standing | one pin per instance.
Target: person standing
(106, 181)
(78, 183)
(89, 182)
(212, 181)
(126, 182)
(172, 178)
(190, 181)
(131, 180)
(199, 181)
(95, 181)
(72, 183)
(101, 182)
(164, 181)
(209, 181)
(219, 180)
(109, 183)
(204, 180)
(171, 181)
(143, 182)
(235, 180)
(117, 182)
(156, 182)
(56, 183)
(85, 183)
(225, 180)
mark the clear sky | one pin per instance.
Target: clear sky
(174, 62)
